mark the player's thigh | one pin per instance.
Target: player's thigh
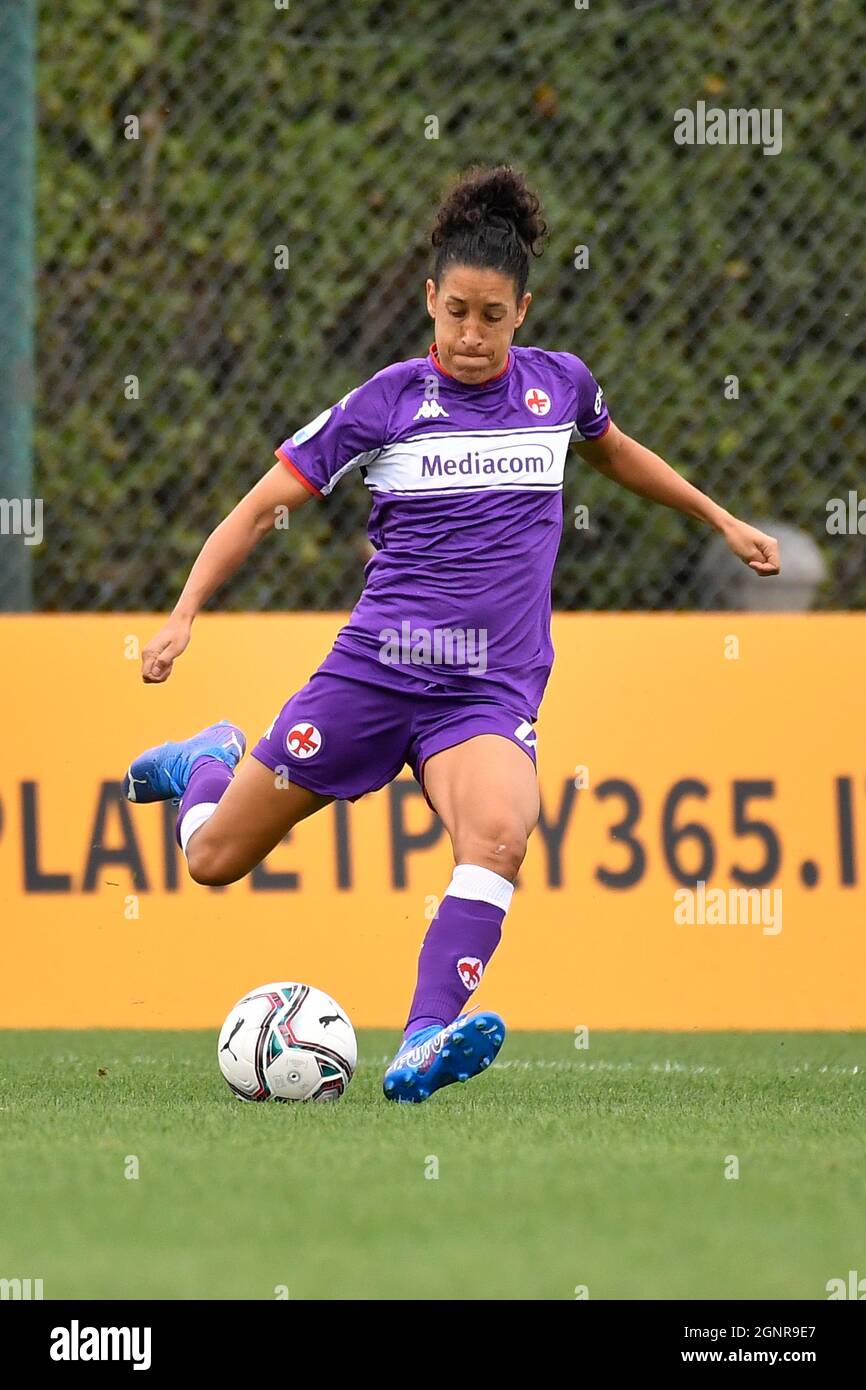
(256, 811)
(486, 792)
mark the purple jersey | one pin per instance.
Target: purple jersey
(466, 482)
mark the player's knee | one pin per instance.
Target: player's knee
(209, 865)
(501, 849)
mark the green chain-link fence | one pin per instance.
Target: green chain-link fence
(311, 127)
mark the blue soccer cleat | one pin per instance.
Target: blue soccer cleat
(434, 1057)
(161, 774)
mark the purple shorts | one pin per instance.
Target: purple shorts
(344, 735)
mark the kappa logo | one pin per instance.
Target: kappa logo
(537, 400)
(303, 740)
(470, 969)
(431, 410)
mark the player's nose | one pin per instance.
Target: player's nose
(472, 342)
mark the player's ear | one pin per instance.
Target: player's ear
(522, 307)
(431, 298)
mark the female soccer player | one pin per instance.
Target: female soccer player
(445, 657)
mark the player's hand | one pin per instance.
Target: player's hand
(757, 550)
(158, 656)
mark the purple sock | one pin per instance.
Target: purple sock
(459, 942)
(207, 783)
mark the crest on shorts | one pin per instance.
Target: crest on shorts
(303, 739)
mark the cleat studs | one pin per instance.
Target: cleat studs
(446, 1052)
(497, 1037)
(485, 1061)
(463, 1076)
(457, 1037)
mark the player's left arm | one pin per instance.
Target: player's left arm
(640, 470)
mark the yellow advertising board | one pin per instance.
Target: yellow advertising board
(699, 863)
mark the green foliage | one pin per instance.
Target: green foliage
(306, 128)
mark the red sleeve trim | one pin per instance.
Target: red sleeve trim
(284, 459)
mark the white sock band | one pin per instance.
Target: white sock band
(194, 819)
(483, 885)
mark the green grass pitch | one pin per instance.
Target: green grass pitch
(559, 1168)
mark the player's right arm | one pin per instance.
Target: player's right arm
(220, 557)
(338, 441)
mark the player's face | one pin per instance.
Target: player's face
(475, 313)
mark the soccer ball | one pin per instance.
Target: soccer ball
(287, 1042)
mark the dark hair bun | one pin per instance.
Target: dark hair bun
(496, 199)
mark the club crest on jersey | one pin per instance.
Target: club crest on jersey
(303, 740)
(431, 410)
(537, 400)
(470, 969)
